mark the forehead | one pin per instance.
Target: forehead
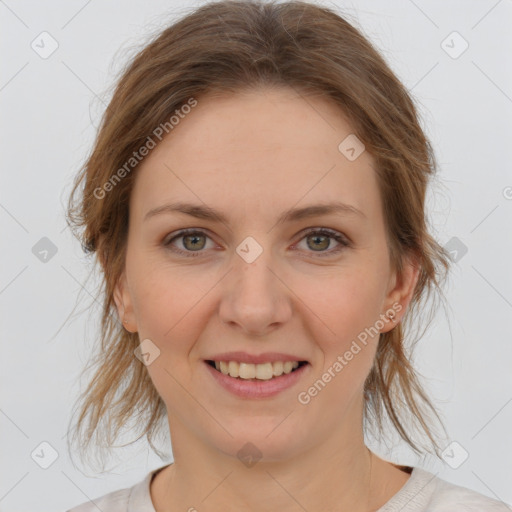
(252, 150)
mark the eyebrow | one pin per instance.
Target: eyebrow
(207, 213)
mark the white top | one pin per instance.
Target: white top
(423, 492)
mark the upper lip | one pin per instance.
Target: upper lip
(244, 357)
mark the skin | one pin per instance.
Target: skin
(254, 155)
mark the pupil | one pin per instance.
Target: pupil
(317, 237)
(194, 244)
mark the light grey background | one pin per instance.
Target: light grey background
(50, 109)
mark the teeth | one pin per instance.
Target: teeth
(265, 371)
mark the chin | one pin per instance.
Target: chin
(262, 441)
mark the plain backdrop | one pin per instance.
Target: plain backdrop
(50, 110)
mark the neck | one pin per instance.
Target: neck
(340, 472)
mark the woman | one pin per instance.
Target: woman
(255, 198)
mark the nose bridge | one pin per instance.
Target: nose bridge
(254, 297)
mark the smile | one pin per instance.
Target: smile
(247, 380)
(249, 371)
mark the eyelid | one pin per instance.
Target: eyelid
(343, 241)
(182, 233)
(331, 232)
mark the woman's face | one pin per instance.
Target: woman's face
(257, 282)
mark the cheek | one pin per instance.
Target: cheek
(349, 308)
(166, 298)
(170, 312)
(346, 303)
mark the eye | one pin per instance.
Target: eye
(194, 240)
(191, 241)
(320, 238)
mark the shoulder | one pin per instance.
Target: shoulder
(450, 497)
(131, 499)
(116, 501)
(424, 491)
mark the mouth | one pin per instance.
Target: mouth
(257, 381)
(256, 372)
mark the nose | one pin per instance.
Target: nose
(255, 299)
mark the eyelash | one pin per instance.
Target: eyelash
(344, 242)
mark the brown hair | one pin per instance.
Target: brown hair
(224, 47)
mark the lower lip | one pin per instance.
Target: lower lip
(257, 388)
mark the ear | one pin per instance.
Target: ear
(124, 306)
(400, 292)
